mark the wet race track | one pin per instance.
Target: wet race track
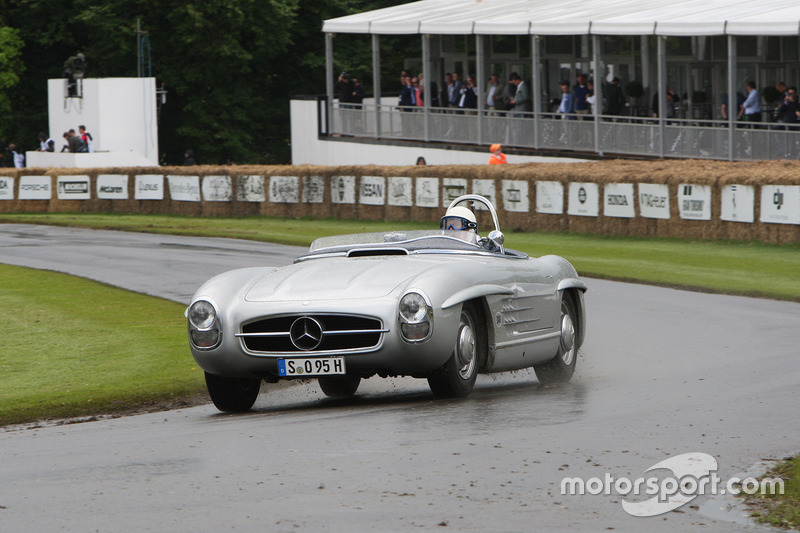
(662, 373)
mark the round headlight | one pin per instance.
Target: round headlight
(202, 315)
(413, 308)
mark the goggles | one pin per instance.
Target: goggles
(457, 224)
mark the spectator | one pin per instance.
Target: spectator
(358, 92)
(497, 157)
(751, 108)
(407, 98)
(188, 158)
(74, 144)
(456, 94)
(724, 107)
(788, 111)
(615, 99)
(567, 105)
(522, 98)
(421, 161)
(447, 90)
(86, 139)
(581, 92)
(18, 158)
(509, 93)
(672, 100)
(434, 91)
(6, 159)
(417, 92)
(46, 144)
(494, 94)
(469, 98)
(590, 96)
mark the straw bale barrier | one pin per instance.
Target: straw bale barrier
(688, 199)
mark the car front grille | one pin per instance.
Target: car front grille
(337, 333)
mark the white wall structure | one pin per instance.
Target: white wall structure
(308, 149)
(120, 113)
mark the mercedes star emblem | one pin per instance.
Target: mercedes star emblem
(305, 333)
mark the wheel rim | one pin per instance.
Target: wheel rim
(567, 337)
(465, 346)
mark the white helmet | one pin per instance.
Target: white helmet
(459, 218)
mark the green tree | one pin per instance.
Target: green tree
(11, 68)
(229, 66)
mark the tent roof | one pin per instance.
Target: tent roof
(577, 17)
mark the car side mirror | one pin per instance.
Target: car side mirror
(497, 239)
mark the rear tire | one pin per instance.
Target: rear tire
(562, 366)
(232, 395)
(339, 386)
(457, 377)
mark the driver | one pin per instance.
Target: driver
(459, 218)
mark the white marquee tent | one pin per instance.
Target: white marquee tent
(577, 17)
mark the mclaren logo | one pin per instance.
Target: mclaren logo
(306, 333)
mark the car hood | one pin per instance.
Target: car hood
(337, 279)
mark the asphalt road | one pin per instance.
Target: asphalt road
(663, 372)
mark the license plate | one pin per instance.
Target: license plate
(316, 366)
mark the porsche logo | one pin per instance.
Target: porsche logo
(305, 333)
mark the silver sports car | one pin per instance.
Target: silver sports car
(443, 305)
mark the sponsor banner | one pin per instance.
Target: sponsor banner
(399, 192)
(284, 189)
(313, 189)
(738, 203)
(618, 200)
(250, 189)
(694, 201)
(550, 197)
(217, 189)
(780, 204)
(148, 187)
(184, 188)
(343, 190)
(427, 192)
(452, 188)
(35, 188)
(654, 200)
(73, 188)
(6, 188)
(515, 196)
(373, 190)
(112, 186)
(486, 189)
(584, 199)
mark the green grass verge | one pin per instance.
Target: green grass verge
(744, 268)
(73, 347)
(780, 510)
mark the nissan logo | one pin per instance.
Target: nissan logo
(305, 333)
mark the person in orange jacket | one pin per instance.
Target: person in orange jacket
(497, 157)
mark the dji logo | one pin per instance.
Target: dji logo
(777, 199)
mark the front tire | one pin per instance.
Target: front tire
(457, 377)
(232, 395)
(339, 386)
(562, 366)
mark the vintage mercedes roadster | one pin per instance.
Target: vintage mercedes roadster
(443, 305)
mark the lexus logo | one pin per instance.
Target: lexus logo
(306, 333)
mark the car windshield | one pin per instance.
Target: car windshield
(409, 240)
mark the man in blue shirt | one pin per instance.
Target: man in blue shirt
(581, 92)
(751, 108)
(567, 106)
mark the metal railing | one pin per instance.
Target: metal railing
(682, 138)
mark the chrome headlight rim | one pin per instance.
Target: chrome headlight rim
(209, 327)
(425, 317)
(212, 315)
